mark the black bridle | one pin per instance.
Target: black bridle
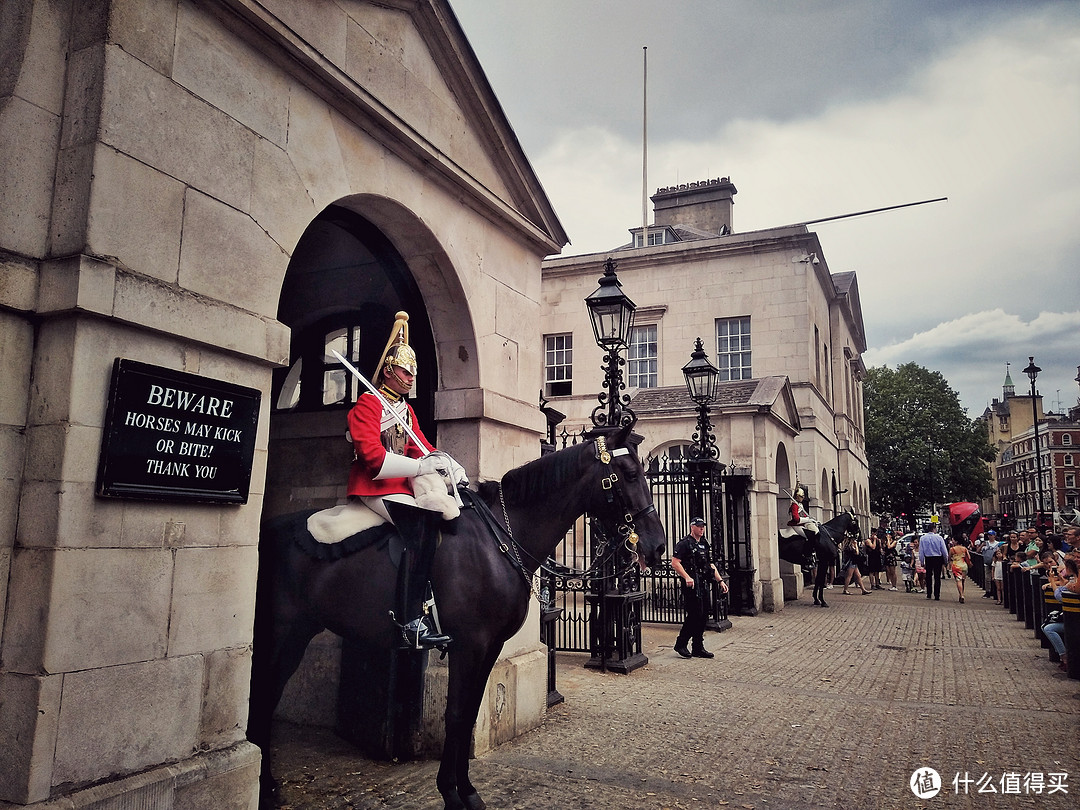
(614, 494)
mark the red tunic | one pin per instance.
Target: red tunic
(367, 424)
(796, 518)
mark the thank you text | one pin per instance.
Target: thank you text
(170, 435)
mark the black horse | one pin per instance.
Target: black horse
(483, 584)
(825, 546)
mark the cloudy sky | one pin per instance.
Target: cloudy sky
(816, 108)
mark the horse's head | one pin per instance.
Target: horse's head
(626, 498)
(853, 523)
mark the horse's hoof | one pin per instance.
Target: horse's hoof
(823, 603)
(473, 801)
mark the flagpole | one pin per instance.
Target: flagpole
(645, 147)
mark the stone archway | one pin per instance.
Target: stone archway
(357, 263)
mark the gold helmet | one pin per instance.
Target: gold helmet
(398, 352)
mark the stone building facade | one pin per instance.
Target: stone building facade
(172, 171)
(786, 332)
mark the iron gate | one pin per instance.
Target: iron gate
(679, 497)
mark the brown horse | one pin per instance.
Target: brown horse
(482, 577)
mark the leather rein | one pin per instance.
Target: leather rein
(611, 485)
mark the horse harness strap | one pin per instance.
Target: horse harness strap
(509, 548)
(612, 487)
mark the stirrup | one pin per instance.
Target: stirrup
(423, 632)
(419, 635)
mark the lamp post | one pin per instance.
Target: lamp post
(1033, 372)
(615, 623)
(702, 380)
(612, 316)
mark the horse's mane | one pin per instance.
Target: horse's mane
(844, 517)
(544, 474)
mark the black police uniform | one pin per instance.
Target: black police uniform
(697, 562)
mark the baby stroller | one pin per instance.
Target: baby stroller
(908, 573)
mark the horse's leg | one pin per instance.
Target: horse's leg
(270, 672)
(819, 583)
(469, 671)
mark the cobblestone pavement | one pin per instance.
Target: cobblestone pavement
(806, 708)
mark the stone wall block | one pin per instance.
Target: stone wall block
(74, 609)
(36, 55)
(320, 24)
(120, 719)
(369, 166)
(18, 282)
(33, 134)
(139, 301)
(148, 116)
(376, 65)
(29, 581)
(213, 601)
(136, 215)
(225, 255)
(16, 354)
(314, 149)
(225, 697)
(229, 781)
(232, 75)
(62, 452)
(29, 712)
(82, 97)
(146, 30)
(169, 525)
(280, 202)
(77, 282)
(71, 199)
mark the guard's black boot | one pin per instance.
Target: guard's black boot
(419, 532)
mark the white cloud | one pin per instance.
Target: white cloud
(993, 124)
(972, 350)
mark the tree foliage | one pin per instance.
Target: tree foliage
(922, 448)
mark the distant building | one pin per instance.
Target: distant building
(786, 333)
(1016, 469)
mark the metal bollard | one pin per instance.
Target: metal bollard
(1070, 606)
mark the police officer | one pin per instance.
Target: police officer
(692, 562)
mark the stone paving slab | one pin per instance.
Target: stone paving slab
(807, 708)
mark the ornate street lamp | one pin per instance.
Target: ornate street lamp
(1033, 372)
(612, 316)
(702, 380)
(615, 623)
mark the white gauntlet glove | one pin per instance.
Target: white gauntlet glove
(437, 462)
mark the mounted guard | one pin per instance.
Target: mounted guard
(391, 474)
(800, 521)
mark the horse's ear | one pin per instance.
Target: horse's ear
(624, 437)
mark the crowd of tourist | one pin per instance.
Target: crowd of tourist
(1056, 556)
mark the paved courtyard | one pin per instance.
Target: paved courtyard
(806, 708)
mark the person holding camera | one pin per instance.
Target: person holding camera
(693, 563)
(1066, 578)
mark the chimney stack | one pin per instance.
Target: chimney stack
(704, 204)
